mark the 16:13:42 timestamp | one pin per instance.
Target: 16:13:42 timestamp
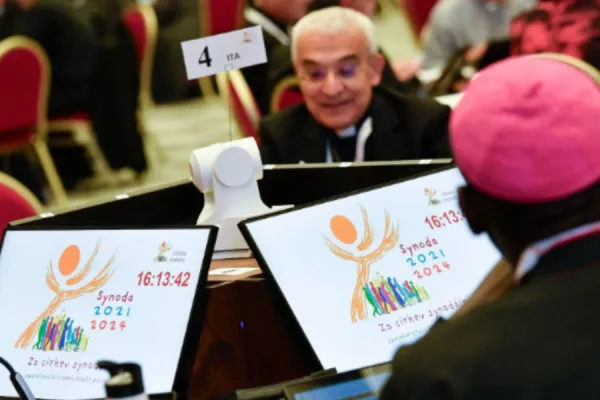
(163, 278)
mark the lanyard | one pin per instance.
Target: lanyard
(361, 141)
(532, 254)
(269, 26)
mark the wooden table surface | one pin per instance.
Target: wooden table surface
(249, 337)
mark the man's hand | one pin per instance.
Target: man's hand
(405, 70)
(476, 53)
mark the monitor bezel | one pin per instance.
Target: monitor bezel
(301, 387)
(191, 338)
(243, 226)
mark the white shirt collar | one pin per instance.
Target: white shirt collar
(346, 133)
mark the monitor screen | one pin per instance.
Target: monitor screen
(372, 271)
(69, 298)
(365, 384)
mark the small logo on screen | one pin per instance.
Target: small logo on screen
(49, 332)
(163, 252)
(434, 198)
(362, 252)
(431, 195)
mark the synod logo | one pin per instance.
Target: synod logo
(57, 332)
(434, 198)
(163, 250)
(430, 193)
(362, 253)
(248, 37)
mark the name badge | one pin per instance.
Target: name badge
(219, 53)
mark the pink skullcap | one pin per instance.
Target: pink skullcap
(527, 129)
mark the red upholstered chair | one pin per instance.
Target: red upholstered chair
(16, 202)
(286, 94)
(24, 83)
(236, 93)
(142, 25)
(219, 16)
(418, 12)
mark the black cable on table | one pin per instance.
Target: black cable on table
(18, 381)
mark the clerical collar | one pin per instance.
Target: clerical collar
(270, 25)
(347, 133)
(352, 130)
(568, 253)
(349, 144)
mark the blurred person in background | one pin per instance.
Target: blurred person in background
(367, 7)
(94, 71)
(274, 17)
(455, 25)
(69, 42)
(344, 118)
(72, 48)
(570, 27)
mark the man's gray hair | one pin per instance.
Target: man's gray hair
(333, 20)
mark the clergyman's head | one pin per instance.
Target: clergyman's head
(525, 137)
(336, 60)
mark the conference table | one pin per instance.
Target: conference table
(249, 338)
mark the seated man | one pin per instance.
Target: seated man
(455, 25)
(69, 43)
(274, 16)
(525, 138)
(344, 118)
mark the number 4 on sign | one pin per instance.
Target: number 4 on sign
(205, 57)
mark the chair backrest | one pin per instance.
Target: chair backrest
(24, 85)
(142, 25)
(418, 12)
(237, 95)
(221, 16)
(286, 94)
(16, 202)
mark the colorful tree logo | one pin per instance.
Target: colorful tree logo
(67, 267)
(364, 255)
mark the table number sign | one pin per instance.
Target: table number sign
(219, 53)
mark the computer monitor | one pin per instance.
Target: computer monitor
(371, 271)
(70, 298)
(282, 184)
(364, 384)
(300, 184)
